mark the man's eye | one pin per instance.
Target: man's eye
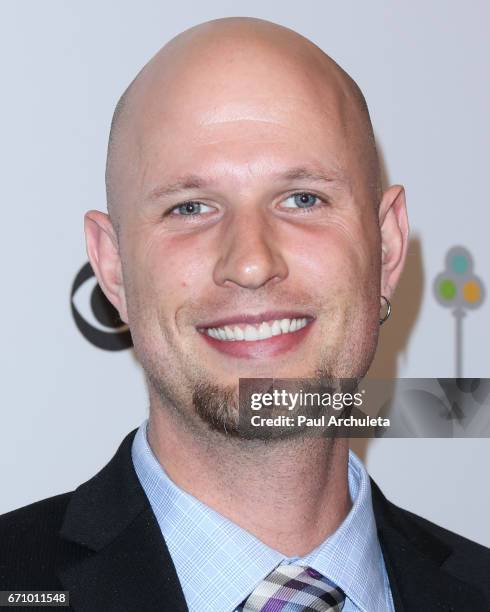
(190, 209)
(302, 200)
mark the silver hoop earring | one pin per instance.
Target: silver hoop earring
(388, 310)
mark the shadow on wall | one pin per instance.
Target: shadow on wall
(406, 304)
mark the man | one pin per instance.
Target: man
(247, 236)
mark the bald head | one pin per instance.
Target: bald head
(233, 70)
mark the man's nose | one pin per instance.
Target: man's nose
(250, 253)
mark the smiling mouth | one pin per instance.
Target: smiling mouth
(252, 332)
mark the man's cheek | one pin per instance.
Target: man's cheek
(330, 262)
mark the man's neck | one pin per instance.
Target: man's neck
(291, 494)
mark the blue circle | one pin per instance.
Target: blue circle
(459, 264)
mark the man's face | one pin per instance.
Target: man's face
(250, 244)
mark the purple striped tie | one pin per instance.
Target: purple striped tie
(293, 588)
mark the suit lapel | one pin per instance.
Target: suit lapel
(415, 560)
(125, 563)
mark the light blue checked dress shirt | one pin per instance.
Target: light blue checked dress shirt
(219, 564)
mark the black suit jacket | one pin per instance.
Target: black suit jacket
(102, 543)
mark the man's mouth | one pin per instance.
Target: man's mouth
(257, 335)
(260, 331)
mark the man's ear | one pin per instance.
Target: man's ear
(393, 223)
(103, 253)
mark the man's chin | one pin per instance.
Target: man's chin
(227, 409)
(219, 409)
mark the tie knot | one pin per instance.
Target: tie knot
(294, 588)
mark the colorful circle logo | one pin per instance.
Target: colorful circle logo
(457, 286)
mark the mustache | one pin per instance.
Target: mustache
(248, 301)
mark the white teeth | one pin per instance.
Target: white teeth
(229, 333)
(251, 333)
(238, 331)
(276, 328)
(264, 330)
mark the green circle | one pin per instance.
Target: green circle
(459, 264)
(447, 289)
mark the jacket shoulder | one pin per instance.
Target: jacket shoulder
(461, 558)
(46, 512)
(32, 549)
(423, 553)
(468, 557)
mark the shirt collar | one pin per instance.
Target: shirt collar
(219, 563)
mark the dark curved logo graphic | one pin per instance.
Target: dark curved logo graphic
(95, 317)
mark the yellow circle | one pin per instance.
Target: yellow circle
(471, 291)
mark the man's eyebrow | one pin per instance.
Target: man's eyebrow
(193, 181)
(308, 174)
(185, 183)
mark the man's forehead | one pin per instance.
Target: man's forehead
(240, 152)
(246, 121)
(235, 116)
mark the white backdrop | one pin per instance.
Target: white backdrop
(424, 68)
